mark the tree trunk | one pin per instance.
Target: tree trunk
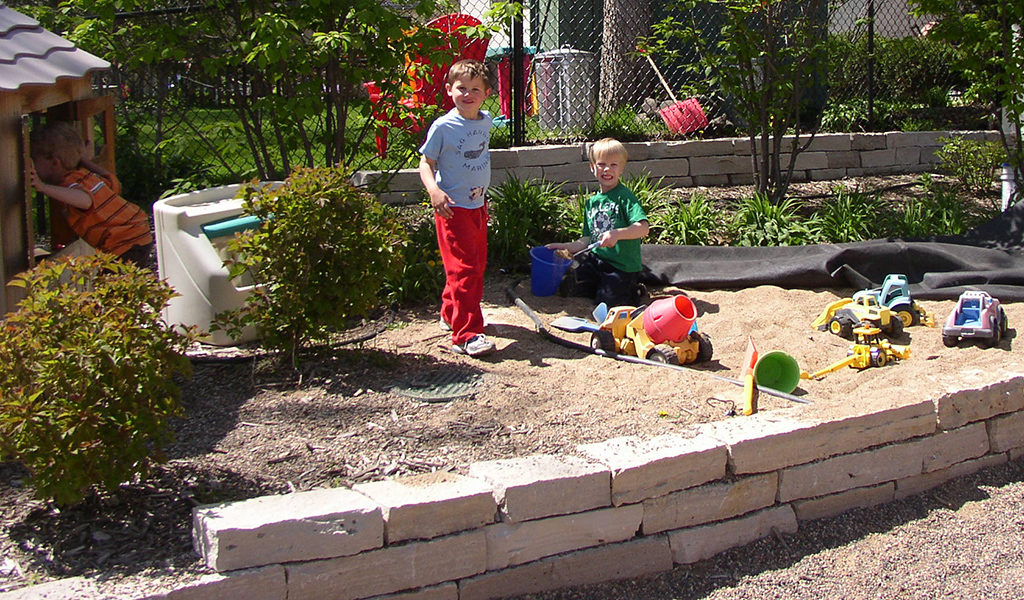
(624, 78)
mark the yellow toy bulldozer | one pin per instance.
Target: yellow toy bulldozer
(662, 332)
(869, 350)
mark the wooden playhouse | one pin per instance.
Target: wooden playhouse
(42, 76)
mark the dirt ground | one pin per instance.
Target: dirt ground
(400, 402)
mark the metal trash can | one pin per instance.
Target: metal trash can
(566, 89)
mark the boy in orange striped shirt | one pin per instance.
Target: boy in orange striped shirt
(90, 195)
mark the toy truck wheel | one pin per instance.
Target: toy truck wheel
(602, 339)
(663, 354)
(949, 340)
(878, 358)
(895, 326)
(840, 327)
(908, 317)
(704, 348)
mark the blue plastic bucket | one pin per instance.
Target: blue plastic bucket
(546, 271)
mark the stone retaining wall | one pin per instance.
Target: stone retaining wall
(706, 162)
(618, 509)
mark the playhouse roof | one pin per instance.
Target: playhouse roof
(31, 55)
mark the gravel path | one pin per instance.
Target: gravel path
(960, 540)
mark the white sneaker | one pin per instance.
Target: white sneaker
(478, 345)
(443, 325)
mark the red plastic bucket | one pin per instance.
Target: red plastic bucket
(669, 319)
(684, 116)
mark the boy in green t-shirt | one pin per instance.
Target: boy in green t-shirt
(614, 218)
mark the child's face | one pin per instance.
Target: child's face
(49, 168)
(608, 169)
(468, 93)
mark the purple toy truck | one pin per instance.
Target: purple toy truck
(977, 316)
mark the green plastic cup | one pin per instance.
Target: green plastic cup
(778, 371)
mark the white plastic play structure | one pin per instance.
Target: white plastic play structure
(192, 231)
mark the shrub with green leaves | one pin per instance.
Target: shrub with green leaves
(850, 216)
(319, 259)
(87, 370)
(422, 276)
(524, 214)
(973, 162)
(689, 223)
(759, 222)
(941, 211)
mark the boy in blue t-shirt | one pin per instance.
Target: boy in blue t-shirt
(614, 218)
(455, 168)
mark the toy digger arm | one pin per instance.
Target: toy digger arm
(849, 360)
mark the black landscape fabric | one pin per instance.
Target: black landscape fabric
(988, 258)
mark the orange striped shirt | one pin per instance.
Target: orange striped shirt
(112, 224)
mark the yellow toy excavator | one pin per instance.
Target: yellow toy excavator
(869, 350)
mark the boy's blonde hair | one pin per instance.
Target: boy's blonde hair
(58, 139)
(607, 147)
(470, 69)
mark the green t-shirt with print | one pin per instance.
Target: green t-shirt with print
(614, 209)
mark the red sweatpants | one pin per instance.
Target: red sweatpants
(462, 240)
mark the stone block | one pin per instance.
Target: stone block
(445, 591)
(772, 440)
(505, 158)
(544, 156)
(712, 502)
(690, 148)
(673, 167)
(71, 588)
(808, 160)
(903, 139)
(947, 448)
(843, 160)
(850, 471)
(401, 198)
(831, 142)
(926, 481)
(698, 543)
(1006, 432)
(523, 174)
(834, 504)
(874, 159)
(516, 543)
(827, 174)
(566, 173)
(545, 485)
(748, 178)
(264, 583)
(868, 141)
(644, 469)
(908, 156)
(638, 151)
(710, 180)
(719, 165)
(388, 570)
(962, 406)
(431, 504)
(272, 529)
(636, 558)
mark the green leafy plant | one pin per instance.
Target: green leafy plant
(760, 222)
(973, 162)
(850, 215)
(524, 214)
(87, 369)
(941, 211)
(690, 223)
(422, 276)
(320, 258)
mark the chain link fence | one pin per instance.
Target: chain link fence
(568, 71)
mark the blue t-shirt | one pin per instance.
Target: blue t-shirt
(460, 148)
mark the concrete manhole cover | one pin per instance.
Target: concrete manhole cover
(440, 386)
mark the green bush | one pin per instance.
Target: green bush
(941, 211)
(422, 276)
(689, 223)
(87, 370)
(849, 216)
(758, 222)
(320, 258)
(973, 162)
(523, 214)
